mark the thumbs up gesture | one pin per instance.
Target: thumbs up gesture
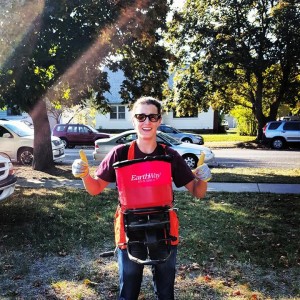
(202, 171)
(80, 167)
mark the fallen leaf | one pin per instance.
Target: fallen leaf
(236, 293)
(86, 281)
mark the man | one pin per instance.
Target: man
(146, 119)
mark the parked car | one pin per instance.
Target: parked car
(279, 134)
(16, 141)
(7, 177)
(290, 118)
(184, 137)
(225, 124)
(189, 152)
(77, 134)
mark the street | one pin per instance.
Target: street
(230, 157)
(257, 158)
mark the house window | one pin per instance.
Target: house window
(117, 112)
(194, 114)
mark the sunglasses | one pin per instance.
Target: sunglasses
(151, 117)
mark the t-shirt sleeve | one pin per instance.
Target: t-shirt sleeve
(181, 172)
(105, 170)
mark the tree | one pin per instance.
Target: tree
(62, 51)
(143, 58)
(239, 53)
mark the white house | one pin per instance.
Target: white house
(120, 117)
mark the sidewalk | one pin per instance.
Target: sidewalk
(277, 188)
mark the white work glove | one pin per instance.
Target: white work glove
(80, 167)
(203, 172)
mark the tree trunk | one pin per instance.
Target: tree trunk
(43, 155)
(216, 122)
(258, 107)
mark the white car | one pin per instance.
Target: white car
(16, 141)
(7, 178)
(190, 152)
(225, 124)
(279, 134)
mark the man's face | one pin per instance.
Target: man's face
(146, 129)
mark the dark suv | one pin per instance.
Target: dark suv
(77, 134)
(279, 134)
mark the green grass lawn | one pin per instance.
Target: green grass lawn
(256, 175)
(233, 246)
(230, 136)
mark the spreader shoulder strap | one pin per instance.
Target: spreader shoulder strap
(131, 156)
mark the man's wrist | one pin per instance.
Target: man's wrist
(85, 176)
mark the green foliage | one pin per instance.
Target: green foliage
(61, 48)
(240, 55)
(53, 44)
(56, 59)
(141, 56)
(187, 92)
(246, 121)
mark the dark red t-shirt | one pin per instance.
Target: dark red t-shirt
(181, 173)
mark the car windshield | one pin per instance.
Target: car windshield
(177, 130)
(167, 138)
(19, 129)
(127, 138)
(91, 128)
(169, 129)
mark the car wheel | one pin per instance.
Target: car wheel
(187, 140)
(278, 143)
(65, 142)
(191, 160)
(25, 156)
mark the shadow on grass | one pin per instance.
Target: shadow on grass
(58, 171)
(55, 220)
(228, 241)
(248, 235)
(260, 228)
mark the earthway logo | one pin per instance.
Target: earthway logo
(147, 177)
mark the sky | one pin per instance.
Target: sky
(178, 3)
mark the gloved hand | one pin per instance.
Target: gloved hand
(80, 167)
(203, 172)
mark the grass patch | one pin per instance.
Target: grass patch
(56, 221)
(229, 136)
(254, 175)
(241, 246)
